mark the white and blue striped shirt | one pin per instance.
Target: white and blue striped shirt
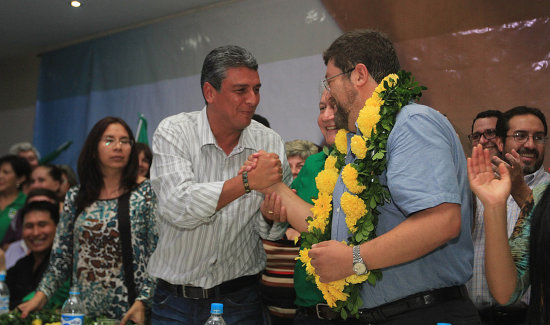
(198, 245)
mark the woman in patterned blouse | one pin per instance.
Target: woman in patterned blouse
(513, 264)
(87, 246)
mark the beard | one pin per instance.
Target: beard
(536, 165)
(341, 119)
(341, 115)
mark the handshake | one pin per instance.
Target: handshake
(265, 175)
(264, 169)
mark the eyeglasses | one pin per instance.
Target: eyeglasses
(325, 81)
(112, 142)
(523, 136)
(488, 134)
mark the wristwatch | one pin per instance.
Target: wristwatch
(359, 266)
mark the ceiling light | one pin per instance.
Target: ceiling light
(75, 3)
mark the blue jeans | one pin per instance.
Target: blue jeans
(240, 307)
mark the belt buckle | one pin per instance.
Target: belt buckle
(204, 293)
(317, 311)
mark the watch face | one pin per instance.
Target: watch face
(359, 268)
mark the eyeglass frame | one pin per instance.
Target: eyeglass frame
(542, 137)
(108, 142)
(484, 134)
(325, 81)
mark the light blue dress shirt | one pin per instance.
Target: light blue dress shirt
(426, 167)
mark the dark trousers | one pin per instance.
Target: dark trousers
(242, 307)
(459, 311)
(504, 315)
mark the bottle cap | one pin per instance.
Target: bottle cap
(74, 290)
(216, 308)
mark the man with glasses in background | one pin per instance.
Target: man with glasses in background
(521, 136)
(484, 131)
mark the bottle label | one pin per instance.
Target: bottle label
(72, 319)
(4, 304)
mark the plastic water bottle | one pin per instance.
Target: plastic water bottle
(216, 311)
(4, 295)
(73, 310)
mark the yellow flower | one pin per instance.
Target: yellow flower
(37, 322)
(374, 100)
(304, 258)
(321, 212)
(330, 162)
(380, 88)
(341, 141)
(332, 291)
(349, 176)
(354, 208)
(368, 117)
(359, 146)
(354, 278)
(326, 180)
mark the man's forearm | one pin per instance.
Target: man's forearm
(232, 189)
(297, 209)
(521, 193)
(417, 236)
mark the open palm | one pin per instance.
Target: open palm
(484, 184)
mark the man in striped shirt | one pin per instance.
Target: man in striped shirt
(210, 223)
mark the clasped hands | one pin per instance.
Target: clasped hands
(268, 168)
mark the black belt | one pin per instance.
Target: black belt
(222, 289)
(412, 302)
(321, 311)
(503, 315)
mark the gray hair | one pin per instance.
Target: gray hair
(219, 59)
(302, 148)
(23, 146)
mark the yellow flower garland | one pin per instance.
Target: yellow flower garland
(361, 179)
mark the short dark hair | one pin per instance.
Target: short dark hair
(55, 172)
(486, 114)
(20, 166)
(89, 170)
(369, 47)
(261, 119)
(503, 123)
(217, 62)
(43, 192)
(142, 147)
(41, 206)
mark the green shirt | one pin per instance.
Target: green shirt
(307, 294)
(6, 215)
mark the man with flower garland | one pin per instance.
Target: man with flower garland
(418, 237)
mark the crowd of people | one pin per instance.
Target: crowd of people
(221, 208)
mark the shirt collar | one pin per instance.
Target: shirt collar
(532, 178)
(246, 140)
